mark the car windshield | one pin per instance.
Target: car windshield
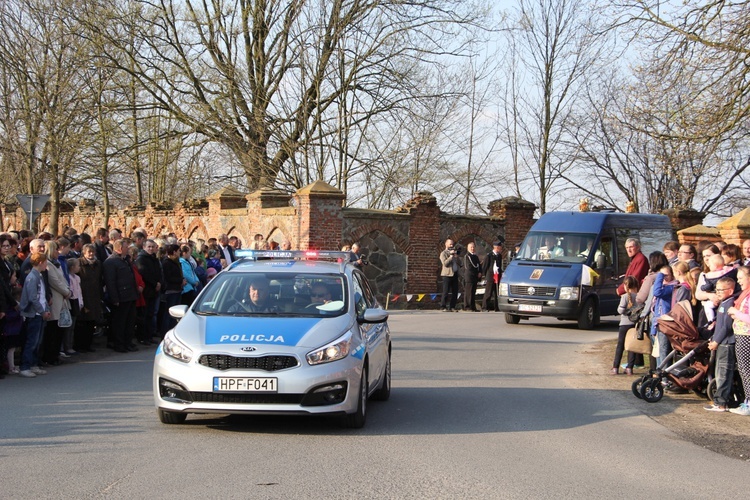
(273, 294)
(560, 247)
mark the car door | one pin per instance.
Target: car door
(375, 334)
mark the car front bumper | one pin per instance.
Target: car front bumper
(328, 388)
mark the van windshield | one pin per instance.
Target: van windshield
(558, 247)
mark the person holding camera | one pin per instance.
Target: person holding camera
(451, 263)
(356, 257)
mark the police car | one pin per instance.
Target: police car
(277, 333)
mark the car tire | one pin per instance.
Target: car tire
(512, 319)
(384, 391)
(587, 318)
(171, 417)
(357, 419)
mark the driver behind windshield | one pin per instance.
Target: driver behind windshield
(257, 300)
(319, 295)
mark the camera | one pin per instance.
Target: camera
(455, 250)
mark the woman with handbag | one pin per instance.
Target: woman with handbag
(627, 301)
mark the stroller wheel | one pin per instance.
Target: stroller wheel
(652, 390)
(636, 387)
(711, 390)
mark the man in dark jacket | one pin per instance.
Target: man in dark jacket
(122, 291)
(492, 270)
(102, 240)
(472, 274)
(150, 268)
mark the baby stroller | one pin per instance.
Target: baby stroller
(687, 366)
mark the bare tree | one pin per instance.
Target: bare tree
(265, 78)
(555, 46)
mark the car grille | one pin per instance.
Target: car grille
(248, 399)
(533, 291)
(267, 363)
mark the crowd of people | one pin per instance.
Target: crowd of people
(715, 278)
(58, 293)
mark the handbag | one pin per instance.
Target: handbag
(633, 344)
(65, 320)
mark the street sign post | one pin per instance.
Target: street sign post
(32, 204)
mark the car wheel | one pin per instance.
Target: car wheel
(587, 316)
(384, 391)
(512, 319)
(171, 417)
(357, 419)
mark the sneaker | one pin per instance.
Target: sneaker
(744, 410)
(71, 352)
(715, 407)
(15, 370)
(38, 371)
(443, 309)
(63, 355)
(27, 373)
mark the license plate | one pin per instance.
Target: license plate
(238, 384)
(537, 308)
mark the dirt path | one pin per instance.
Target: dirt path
(724, 433)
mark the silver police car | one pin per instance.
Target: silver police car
(277, 333)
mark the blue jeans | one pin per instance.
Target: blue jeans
(664, 346)
(168, 322)
(725, 362)
(30, 355)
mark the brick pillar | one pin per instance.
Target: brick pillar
(223, 199)
(518, 215)
(424, 244)
(320, 218)
(736, 229)
(684, 218)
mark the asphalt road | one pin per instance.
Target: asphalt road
(479, 409)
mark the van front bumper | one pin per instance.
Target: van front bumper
(563, 309)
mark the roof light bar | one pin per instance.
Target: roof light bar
(292, 255)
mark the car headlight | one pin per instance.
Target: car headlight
(176, 349)
(569, 293)
(503, 289)
(338, 349)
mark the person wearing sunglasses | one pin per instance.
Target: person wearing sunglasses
(319, 295)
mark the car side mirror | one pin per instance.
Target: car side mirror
(178, 311)
(373, 315)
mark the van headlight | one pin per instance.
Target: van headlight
(569, 293)
(503, 289)
(338, 349)
(176, 349)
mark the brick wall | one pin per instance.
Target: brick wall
(408, 240)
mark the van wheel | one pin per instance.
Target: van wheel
(588, 316)
(512, 319)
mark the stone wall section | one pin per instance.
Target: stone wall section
(402, 245)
